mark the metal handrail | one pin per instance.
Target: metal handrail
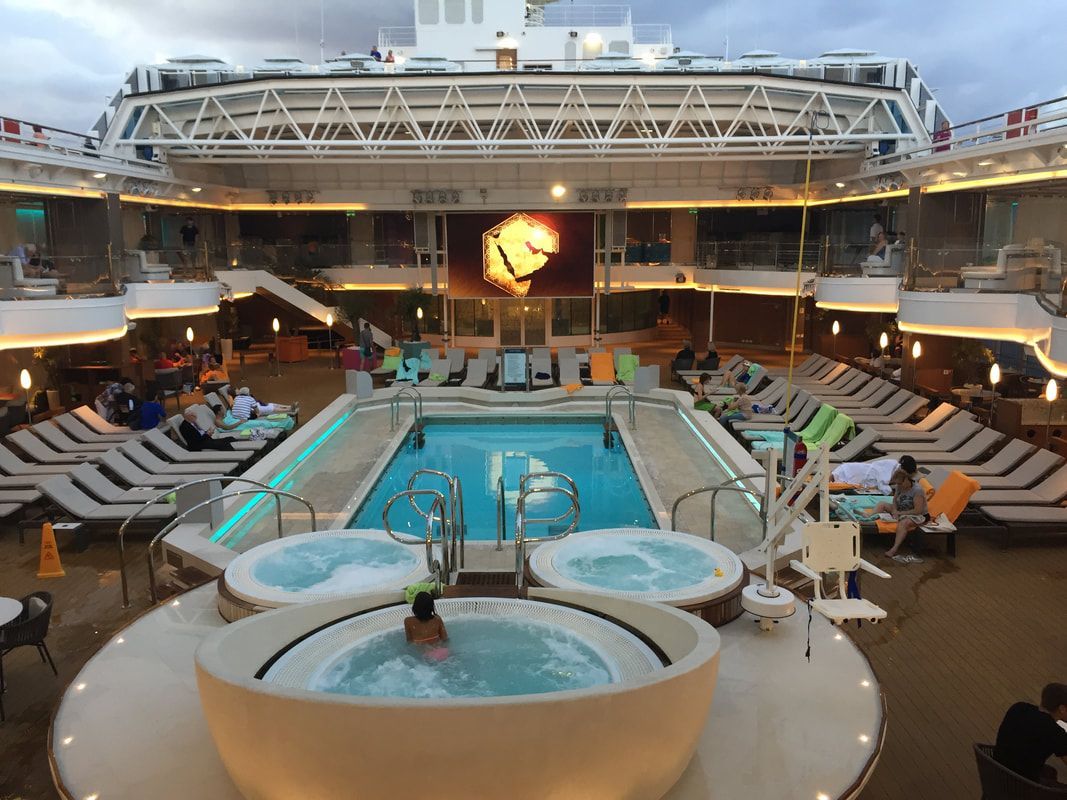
(725, 486)
(611, 394)
(521, 522)
(435, 568)
(163, 494)
(416, 404)
(225, 496)
(567, 478)
(501, 519)
(457, 517)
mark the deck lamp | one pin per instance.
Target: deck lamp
(25, 381)
(835, 329)
(277, 360)
(559, 191)
(994, 379)
(916, 352)
(883, 342)
(415, 336)
(329, 336)
(189, 335)
(1052, 391)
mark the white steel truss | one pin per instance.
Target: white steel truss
(477, 117)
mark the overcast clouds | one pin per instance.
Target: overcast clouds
(61, 59)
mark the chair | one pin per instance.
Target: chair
(142, 270)
(169, 384)
(440, 369)
(28, 629)
(14, 283)
(457, 359)
(179, 454)
(626, 366)
(539, 366)
(29, 444)
(147, 460)
(83, 508)
(477, 373)
(91, 478)
(835, 547)
(97, 423)
(129, 473)
(77, 429)
(56, 438)
(569, 372)
(602, 369)
(1000, 783)
(949, 500)
(13, 465)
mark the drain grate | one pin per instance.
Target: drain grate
(485, 579)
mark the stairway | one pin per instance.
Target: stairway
(672, 332)
(259, 281)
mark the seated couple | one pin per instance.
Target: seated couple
(246, 407)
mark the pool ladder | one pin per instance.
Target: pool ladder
(416, 407)
(501, 500)
(612, 393)
(521, 521)
(440, 570)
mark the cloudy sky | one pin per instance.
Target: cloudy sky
(61, 59)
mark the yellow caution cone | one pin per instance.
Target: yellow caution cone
(50, 566)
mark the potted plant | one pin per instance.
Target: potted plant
(45, 360)
(408, 305)
(227, 320)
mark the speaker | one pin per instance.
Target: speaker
(422, 222)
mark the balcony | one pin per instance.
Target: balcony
(581, 16)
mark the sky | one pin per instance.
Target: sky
(62, 60)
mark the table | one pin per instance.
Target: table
(292, 348)
(9, 609)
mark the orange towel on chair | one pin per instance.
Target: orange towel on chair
(949, 499)
(602, 367)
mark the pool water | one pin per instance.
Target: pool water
(334, 565)
(486, 657)
(480, 450)
(633, 564)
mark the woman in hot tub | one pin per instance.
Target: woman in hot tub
(424, 626)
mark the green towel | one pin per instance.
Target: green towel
(436, 376)
(812, 434)
(392, 362)
(628, 364)
(415, 588)
(840, 430)
(753, 369)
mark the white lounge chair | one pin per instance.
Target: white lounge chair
(78, 430)
(1024, 476)
(835, 547)
(541, 366)
(80, 506)
(178, 454)
(13, 465)
(129, 472)
(457, 359)
(14, 284)
(19, 497)
(1050, 491)
(477, 373)
(206, 420)
(968, 451)
(140, 269)
(143, 457)
(92, 479)
(953, 435)
(29, 444)
(442, 368)
(1006, 458)
(569, 372)
(98, 423)
(855, 447)
(56, 438)
(926, 433)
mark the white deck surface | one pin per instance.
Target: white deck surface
(130, 726)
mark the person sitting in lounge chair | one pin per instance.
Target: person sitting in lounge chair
(214, 372)
(246, 407)
(875, 474)
(734, 409)
(908, 508)
(197, 439)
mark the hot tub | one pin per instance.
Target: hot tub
(317, 566)
(645, 564)
(629, 733)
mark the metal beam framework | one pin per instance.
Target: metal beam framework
(476, 118)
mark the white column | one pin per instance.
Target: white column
(711, 321)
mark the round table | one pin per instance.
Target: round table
(9, 609)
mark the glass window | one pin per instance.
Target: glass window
(474, 318)
(455, 12)
(629, 311)
(477, 11)
(429, 12)
(572, 317)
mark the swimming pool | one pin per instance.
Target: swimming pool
(479, 450)
(496, 648)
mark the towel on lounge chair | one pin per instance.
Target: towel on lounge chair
(393, 359)
(602, 368)
(408, 371)
(628, 364)
(812, 433)
(572, 387)
(425, 362)
(438, 377)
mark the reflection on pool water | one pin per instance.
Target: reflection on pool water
(481, 450)
(336, 564)
(633, 564)
(486, 658)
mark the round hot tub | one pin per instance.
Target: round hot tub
(563, 694)
(678, 569)
(317, 566)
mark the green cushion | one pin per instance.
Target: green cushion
(628, 364)
(392, 362)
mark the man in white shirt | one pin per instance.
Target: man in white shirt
(876, 228)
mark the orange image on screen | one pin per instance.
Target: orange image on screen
(514, 251)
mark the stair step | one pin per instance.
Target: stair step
(494, 578)
(474, 590)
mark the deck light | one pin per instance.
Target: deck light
(197, 189)
(1052, 391)
(25, 381)
(883, 342)
(559, 191)
(839, 185)
(916, 350)
(329, 337)
(189, 335)
(835, 329)
(99, 175)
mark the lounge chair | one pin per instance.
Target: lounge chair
(848, 386)
(620, 351)
(569, 372)
(602, 369)
(1006, 458)
(801, 410)
(812, 433)
(945, 507)
(973, 448)
(407, 374)
(855, 447)
(948, 423)
(440, 369)
(13, 465)
(878, 401)
(20, 497)
(392, 358)
(541, 372)
(825, 380)
(95, 482)
(1013, 520)
(178, 454)
(1051, 490)
(457, 359)
(206, 420)
(56, 438)
(81, 507)
(29, 444)
(129, 472)
(98, 423)
(901, 407)
(810, 364)
(934, 419)
(626, 368)
(477, 373)
(143, 457)
(541, 352)
(1022, 477)
(953, 435)
(566, 352)
(489, 355)
(77, 429)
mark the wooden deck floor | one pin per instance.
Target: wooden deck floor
(966, 637)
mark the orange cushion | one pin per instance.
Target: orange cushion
(953, 495)
(602, 367)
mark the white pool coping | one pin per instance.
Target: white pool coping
(543, 567)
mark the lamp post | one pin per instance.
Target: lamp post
(835, 329)
(883, 342)
(329, 334)
(916, 352)
(994, 379)
(277, 361)
(1052, 391)
(415, 337)
(194, 362)
(25, 381)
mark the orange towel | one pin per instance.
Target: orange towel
(572, 387)
(949, 499)
(602, 367)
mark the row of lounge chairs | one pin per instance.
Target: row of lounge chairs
(1014, 485)
(81, 468)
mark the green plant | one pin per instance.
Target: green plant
(971, 361)
(150, 335)
(353, 306)
(44, 358)
(409, 302)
